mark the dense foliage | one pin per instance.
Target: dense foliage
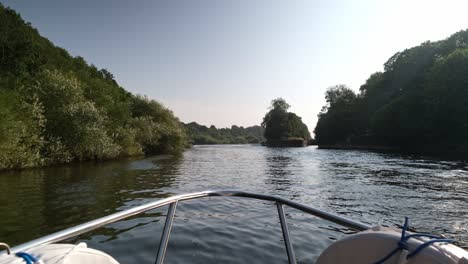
(280, 124)
(55, 108)
(201, 135)
(418, 103)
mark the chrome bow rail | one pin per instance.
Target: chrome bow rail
(172, 202)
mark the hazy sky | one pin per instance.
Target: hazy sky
(221, 61)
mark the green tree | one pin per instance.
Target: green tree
(447, 102)
(275, 121)
(21, 128)
(337, 120)
(71, 119)
(280, 124)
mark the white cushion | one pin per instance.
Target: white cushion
(63, 254)
(372, 245)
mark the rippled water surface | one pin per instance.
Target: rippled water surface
(370, 187)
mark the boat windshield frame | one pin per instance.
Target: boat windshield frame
(172, 203)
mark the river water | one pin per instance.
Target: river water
(374, 188)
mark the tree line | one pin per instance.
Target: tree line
(419, 103)
(55, 108)
(278, 124)
(203, 135)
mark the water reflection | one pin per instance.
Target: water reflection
(40, 201)
(279, 171)
(114, 231)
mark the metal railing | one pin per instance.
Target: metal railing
(173, 201)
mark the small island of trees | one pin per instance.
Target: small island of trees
(283, 128)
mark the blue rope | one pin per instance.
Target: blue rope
(402, 243)
(422, 246)
(27, 257)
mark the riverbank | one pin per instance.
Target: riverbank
(360, 147)
(429, 153)
(284, 143)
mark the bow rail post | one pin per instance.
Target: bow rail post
(166, 233)
(285, 229)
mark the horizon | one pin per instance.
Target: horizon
(221, 64)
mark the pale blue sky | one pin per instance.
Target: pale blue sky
(221, 61)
